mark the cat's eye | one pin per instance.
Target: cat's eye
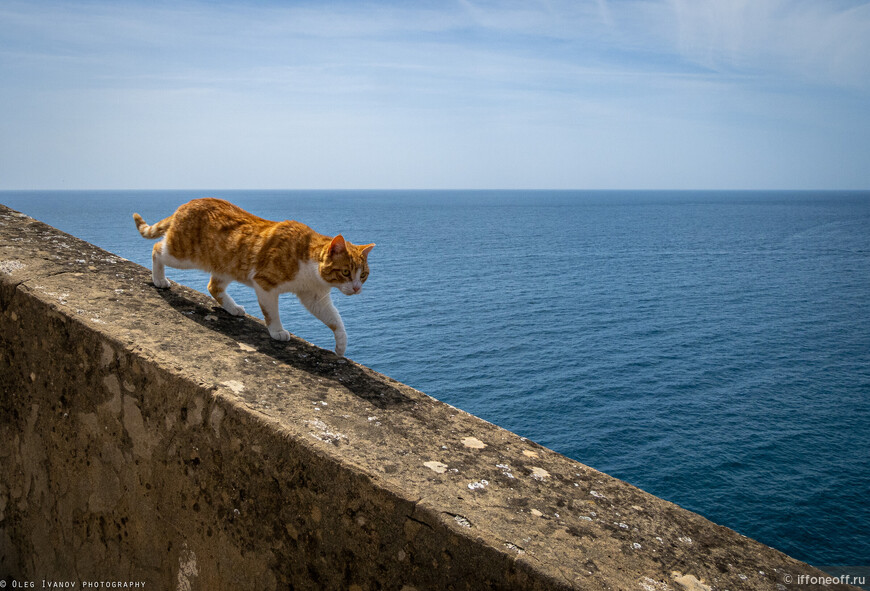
(346, 273)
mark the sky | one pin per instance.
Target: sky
(451, 94)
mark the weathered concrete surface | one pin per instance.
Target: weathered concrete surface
(148, 436)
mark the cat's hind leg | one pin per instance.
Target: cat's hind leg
(269, 305)
(217, 287)
(158, 266)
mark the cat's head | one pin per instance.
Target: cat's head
(345, 265)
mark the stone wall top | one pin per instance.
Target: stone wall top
(526, 516)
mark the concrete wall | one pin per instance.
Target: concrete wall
(148, 438)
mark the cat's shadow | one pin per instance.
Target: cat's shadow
(297, 353)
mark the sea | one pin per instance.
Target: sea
(711, 348)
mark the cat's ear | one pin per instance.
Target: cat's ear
(337, 246)
(366, 250)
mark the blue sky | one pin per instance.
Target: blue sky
(598, 94)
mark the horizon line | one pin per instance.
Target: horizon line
(443, 190)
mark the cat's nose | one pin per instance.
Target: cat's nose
(357, 288)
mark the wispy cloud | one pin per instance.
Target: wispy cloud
(535, 86)
(791, 39)
(816, 42)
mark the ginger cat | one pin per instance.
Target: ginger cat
(216, 236)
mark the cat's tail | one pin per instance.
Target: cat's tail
(155, 231)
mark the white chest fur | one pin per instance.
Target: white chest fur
(307, 280)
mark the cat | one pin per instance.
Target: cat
(223, 239)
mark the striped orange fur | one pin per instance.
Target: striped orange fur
(216, 236)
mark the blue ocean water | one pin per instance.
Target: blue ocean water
(712, 348)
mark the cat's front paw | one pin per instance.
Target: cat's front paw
(279, 335)
(161, 283)
(340, 343)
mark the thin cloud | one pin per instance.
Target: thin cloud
(816, 42)
(474, 93)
